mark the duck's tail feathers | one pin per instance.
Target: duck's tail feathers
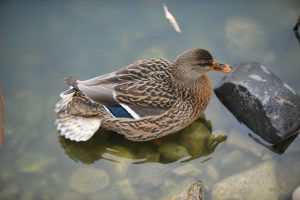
(76, 128)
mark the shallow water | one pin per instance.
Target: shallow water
(41, 43)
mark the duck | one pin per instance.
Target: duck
(142, 101)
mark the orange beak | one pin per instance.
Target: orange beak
(219, 67)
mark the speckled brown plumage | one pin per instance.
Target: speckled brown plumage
(164, 97)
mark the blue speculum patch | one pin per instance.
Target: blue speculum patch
(118, 111)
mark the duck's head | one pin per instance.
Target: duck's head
(193, 63)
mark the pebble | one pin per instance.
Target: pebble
(88, 180)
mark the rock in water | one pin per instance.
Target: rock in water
(257, 183)
(88, 180)
(261, 100)
(296, 194)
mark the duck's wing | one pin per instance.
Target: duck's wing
(144, 87)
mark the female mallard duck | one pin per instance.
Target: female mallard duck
(145, 100)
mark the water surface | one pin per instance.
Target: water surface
(43, 42)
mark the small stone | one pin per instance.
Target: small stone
(88, 180)
(128, 192)
(258, 182)
(187, 169)
(33, 162)
(296, 194)
(173, 151)
(261, 100)
(195, 138)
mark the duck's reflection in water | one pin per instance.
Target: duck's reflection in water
(193, 142)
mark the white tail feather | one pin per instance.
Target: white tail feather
(75, 128)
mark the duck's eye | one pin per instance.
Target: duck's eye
(202, 64)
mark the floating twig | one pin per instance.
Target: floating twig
(2, 116)
(171, 19)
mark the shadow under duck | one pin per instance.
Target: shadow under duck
(145, 100)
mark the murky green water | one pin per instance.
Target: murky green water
(41, 43)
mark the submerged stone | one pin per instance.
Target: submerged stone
(195, 138)
(152, 175)
(88, 180)
(256, 183)
(262, 101)
(34, 162)
(296, 194)
(173, 151)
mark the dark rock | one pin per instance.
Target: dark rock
(261, 100)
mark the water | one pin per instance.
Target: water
(42, 42)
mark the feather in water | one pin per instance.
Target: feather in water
(171, 18)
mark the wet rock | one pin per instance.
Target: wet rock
(261, 100)
(88, 180)
(256, 183)
(296, 194)
(195, 138)
(173, 151)
(34, 162)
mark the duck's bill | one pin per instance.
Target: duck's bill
(220, 67)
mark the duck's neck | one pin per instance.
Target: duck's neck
(194, 89)
(190, 82)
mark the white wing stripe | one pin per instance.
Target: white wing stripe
(130, 111)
